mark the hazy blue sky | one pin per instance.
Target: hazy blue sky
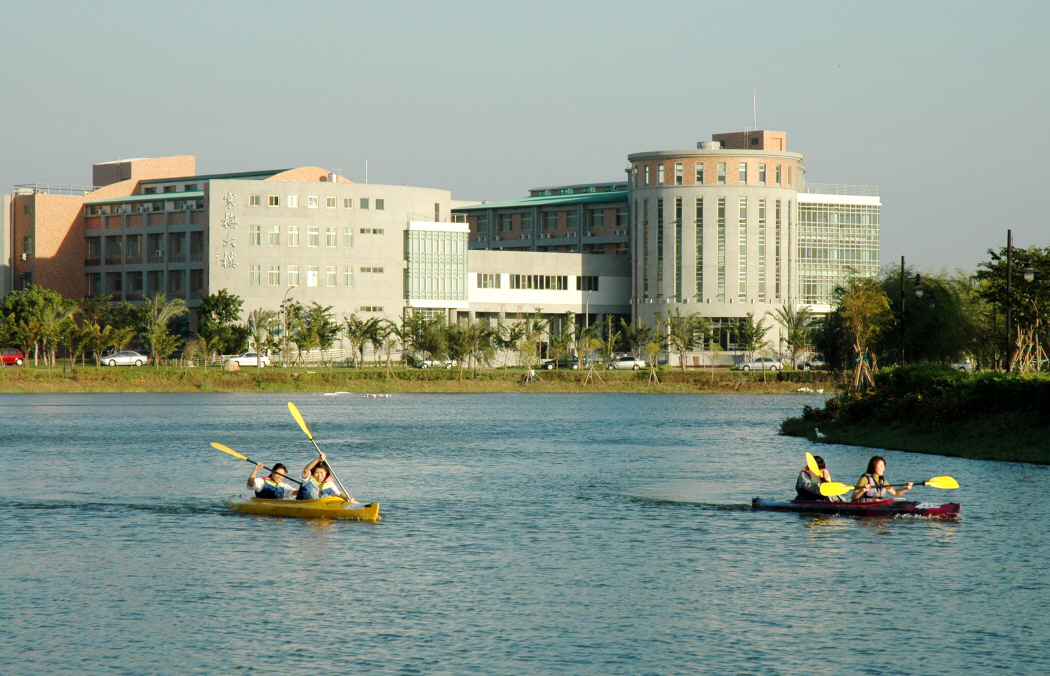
(943, 105)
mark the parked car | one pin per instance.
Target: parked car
(12, 355)
(625, 362)
(435, 363)
(567, 363)
(762, 364)
(125, 358)
(249, 359)
(814, 362)
(962, 365)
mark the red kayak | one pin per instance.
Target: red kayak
(932, 510)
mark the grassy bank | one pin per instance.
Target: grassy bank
(175, 379)
(931, 409)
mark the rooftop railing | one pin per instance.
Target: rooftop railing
(53, 189)
(442, 218)
(841, 189)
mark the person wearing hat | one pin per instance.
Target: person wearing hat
(318, 481)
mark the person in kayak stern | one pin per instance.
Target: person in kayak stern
(807, 486)
(317, 481)
(272, 487)
(872, 485)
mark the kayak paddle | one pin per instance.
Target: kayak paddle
(811, 463)
(227, 449)
(945, 482)
(302, 423)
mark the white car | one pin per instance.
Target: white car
(762, 364)
(125, 358)
(249, 359)
(625, 362)
(436, 363)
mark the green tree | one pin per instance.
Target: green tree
(866, 313)
(796, 323)
(218, 315)
(636, 337)
(156, 313)
(1029, 301)
(751, 335)
(508, 339)
(260, 332)
(686, 332)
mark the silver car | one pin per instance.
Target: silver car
(762, 364)
(125, 358)
(625, 362)
(249, 359)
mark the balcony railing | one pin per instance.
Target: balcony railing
(92, 262)
(179, 257)
(133, 260)
(155, 257)
(841, 189)
(197, 256)
(114, 260)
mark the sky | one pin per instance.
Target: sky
(942, 105)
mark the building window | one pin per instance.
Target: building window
(348, 202)
(791, 177)
(721, 173)
(488, 281)
(254, 275)
(380, 205)
(273, 201)
(273, 235)
(550, 220)
(254, 201)
(646, 170)
(699, 249)
(329, 202)
(293, 235)
(597, 218)
(364, 202)
(313, 235)
(348, 237)
(348, 277)
(762, 174)
(621, 216)
(778, 174)
(293, 201)
(554, 282)
(329, 275)
(311, 201)
(506, 222)
(700, 173)
(293, 275)
(742, 173)
(587, 283)
(254, 235)
(742, 240)
(371, 308)
(660, 174)
(679, 172)
(273, 275)
(635, 172)
(330, 238)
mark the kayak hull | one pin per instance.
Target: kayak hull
(325, 508)
(881, 508)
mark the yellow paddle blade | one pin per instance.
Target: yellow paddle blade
(829, 488)
(227, 449)
(811, 463)
(942, 482)
(299, 419)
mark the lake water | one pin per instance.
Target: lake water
(522, 534)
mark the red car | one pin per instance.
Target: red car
(12, 355)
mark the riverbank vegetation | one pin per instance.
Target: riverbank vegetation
(380, 380)
(928, 408)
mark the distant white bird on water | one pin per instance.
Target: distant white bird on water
(820, 435)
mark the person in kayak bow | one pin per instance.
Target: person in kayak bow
(872, 485)
(317, 481)
(272, 487)
(807, 486)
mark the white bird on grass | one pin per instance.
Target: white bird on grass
(820, 435)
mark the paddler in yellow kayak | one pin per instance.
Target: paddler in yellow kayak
(318, 481)
(272, 487)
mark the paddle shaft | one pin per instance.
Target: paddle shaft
(226, 449)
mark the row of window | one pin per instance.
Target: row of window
(172, 282)
(553, 282)
(313, 202)
(313, 275)
(313, 235)
(644, 178)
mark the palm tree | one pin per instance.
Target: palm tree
(686, 332)
(637, 337)
(259, 330)
(796, 325)
(156, 313)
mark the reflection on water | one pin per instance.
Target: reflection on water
(522, 534)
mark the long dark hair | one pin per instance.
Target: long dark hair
(874, 461)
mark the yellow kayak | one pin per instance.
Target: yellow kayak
(325, 508)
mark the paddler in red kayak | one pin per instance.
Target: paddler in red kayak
(872, 485)
(807, 486)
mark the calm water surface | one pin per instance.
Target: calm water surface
(523, 534)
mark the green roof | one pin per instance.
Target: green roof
(246, 175)
(156, 197)
(551, 200)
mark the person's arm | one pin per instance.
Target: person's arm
(858, 492)
(900, 491)
(255, 473)
(310, 468)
